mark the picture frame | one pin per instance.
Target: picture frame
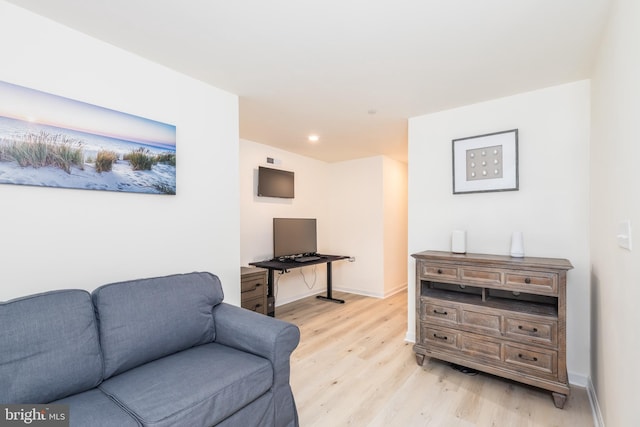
(486, 163)
(48, 140)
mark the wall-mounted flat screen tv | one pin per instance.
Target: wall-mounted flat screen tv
(275, 183)
(294, 236)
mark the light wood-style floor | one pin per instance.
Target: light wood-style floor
(353, 368)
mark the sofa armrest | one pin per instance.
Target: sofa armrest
(267, 337)
(255, 333)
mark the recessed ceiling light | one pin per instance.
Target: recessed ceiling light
(314, 138)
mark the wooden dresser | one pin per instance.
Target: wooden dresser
(497, 314)
(253, 294)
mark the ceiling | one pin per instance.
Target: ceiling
(351, 71)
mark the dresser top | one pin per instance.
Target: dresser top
(245, 271)
(489, 260)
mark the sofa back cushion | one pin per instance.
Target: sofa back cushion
(49, 347)
(144, 320)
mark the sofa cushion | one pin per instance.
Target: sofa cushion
(94, 408)
(200, 386)
(144, 320)
(49, 347)
(259, 413)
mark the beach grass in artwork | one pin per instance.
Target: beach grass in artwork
(140, 159)
(105, 160)
(47, 140)
(166, 158)
(43, 149)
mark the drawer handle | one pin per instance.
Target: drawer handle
(444, 313)
(527, 280)
(522, 328)
(530, 359)
(439, 271)
(256, 307)
(440, 337)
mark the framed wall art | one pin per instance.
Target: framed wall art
(486, 162)
(51, 141)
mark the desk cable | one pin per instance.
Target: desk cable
(275, 286)
(304, 278)
(315, 277)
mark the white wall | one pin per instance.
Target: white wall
(615, 156)
(59, 238)
(354, 201)
(550, 208)
(357, 217)
(368, 200)
(395, 226)
(257, 213)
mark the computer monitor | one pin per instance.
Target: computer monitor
(294, 236)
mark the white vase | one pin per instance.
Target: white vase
(517, 245)
(459, 241)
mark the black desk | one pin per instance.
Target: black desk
(283, 266)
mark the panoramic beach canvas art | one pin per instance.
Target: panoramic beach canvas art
(52, 141)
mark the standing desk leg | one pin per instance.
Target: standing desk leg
(329, 296)
(271, 306)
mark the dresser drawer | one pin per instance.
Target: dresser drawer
(436, 272)
(527, 330)
(481, 276)
(438, 337)
(253, 286)
(532, 360)
(481, 322)
(545, 283)
(479, 346)
(259, 304)
(439, 313)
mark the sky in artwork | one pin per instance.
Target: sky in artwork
(31, 105)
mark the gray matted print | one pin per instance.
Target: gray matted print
(486, 163)
(51, 141)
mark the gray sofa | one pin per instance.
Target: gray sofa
(158, 352)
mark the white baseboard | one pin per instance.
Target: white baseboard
(283, 301)
(410, 337)
(396, 290)
(365, 293)
(585, 382)
(578, 379)
(359, 292)
(598, 421)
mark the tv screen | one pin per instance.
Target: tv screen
(275, 183)
(294, 236)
